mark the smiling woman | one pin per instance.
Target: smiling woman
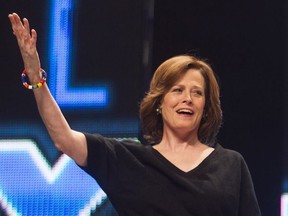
(181, 104)
(163, 81)
(182, 107)
(184, 172)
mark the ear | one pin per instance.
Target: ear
(159, 110)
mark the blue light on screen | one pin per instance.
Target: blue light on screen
(30, 186)
(284, 204)
(60, 73)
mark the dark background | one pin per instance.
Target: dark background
(245, 41)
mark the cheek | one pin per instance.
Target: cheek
(201, 106)
(168, 110)
(203, 103)
(169, 102)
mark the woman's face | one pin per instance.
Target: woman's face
(183, 105)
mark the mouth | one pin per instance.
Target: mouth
(185, 112)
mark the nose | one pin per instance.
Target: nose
(187, 98)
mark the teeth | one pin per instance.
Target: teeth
(185, 111)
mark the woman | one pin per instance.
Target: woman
(183, 172)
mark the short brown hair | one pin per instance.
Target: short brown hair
(166, 75)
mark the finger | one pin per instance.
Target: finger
(26, 32)
(26, 24)
(15, 22)
(12, 20)
(17, 19)
(34, 37)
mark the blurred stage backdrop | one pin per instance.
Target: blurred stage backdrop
(99, 57)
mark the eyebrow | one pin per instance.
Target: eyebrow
(194, 86)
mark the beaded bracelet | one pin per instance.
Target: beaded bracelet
(28, 86)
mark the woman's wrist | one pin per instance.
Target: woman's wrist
(36, 81)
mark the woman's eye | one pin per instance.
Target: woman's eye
(198, 92)
(177, 90)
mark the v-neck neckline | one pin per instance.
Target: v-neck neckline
(172, 166)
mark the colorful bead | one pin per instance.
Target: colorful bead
(38, 85)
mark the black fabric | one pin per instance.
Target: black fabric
(139, 181)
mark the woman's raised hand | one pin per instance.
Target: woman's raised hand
(27, 44)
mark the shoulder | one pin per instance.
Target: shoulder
(227, 152)
(228, 155)
(230, 160)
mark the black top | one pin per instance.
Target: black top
(140, 181)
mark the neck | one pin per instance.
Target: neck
(175, 142)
